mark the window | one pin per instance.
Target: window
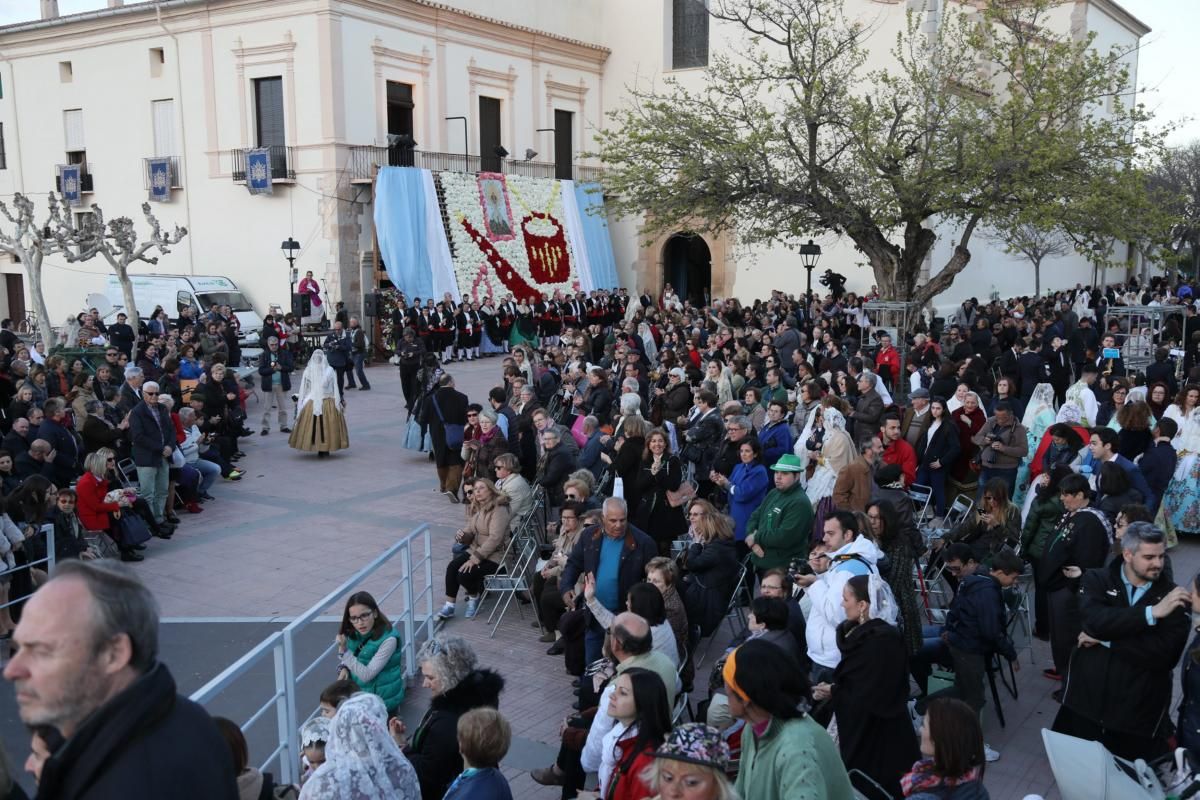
(73, 131)
(157, 59)
(399, 108)
(689, 34)
(3, 155)
(162, 113)
(563, 137)
(65, 73)
(489, 133)
(268, 121)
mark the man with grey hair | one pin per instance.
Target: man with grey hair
(86, 665)
(1135, 627)
(153, 437)
(275, 371)
(616, 553)
(130, 393)
(16, 441)
(738, 429)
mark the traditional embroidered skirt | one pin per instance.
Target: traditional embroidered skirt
(322, 434)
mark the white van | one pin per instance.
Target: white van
(176, 292)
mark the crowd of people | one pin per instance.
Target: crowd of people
(665, 455)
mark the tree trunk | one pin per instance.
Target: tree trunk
(122, 271)
(33, 266)
(1037, 278)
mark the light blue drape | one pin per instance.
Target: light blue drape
(401, 230)
(595, 234)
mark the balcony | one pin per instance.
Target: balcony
(176, 179)
(86, 183)
(282, 165)
(364, 159)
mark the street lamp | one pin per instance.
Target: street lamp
(810, 254)
(289, 248)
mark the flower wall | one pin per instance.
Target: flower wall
(509, 236)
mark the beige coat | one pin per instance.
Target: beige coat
(838, 450)
(487, 530)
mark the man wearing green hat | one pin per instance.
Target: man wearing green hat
(780, 529)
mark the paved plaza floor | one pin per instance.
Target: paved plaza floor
(296, 527)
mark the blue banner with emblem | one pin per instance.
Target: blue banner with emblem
(160, 179)
(70, 178)
(258, 171)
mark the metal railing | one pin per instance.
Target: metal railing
(176, 181)
(283, 166)
(6, 574)
(364, 159)
(282, 646)
(87, 183)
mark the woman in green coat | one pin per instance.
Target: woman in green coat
(1045, 511)
(371, 652)
(764, 686)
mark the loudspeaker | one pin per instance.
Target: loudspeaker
(301, 305)
(371, 304)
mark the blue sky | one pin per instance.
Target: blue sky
(1166, 57)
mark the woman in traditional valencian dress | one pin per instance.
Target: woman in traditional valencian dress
(1039, 416)
(1181, 502)
(320, 425)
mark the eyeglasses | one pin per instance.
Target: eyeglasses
(149, 393)
(361, 617)
(771, 587)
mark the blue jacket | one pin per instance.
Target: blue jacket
(776, 439)
(337, 348)
(266, 368)
(749, 484)
(589, 454)
(636, 552)
(151, 430)
(1157, 466)
(1136, 478)
(977, 618)
(479, 784)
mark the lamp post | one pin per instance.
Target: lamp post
(810, 254)
(289, 248)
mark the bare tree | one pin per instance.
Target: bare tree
(1034, 243)
(29, 241)
(117, 242)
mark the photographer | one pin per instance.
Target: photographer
(1004, 443)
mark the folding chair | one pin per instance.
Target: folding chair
(735, 608)
(678, 546)
(681, 705)
(920, 496)
(1019, 603)
(127, 473)
(509, 583)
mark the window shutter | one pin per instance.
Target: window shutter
(268, 110)
(73, 129)
(163, 113)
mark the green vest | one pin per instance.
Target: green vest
(389, 683)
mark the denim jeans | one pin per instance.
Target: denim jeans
(209, 472)
(935, 479)
(152, 482)
(359, 360)
(593, 641)
(1007, 474)
(933, 651)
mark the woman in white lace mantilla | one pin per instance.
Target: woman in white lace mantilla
(320, 425)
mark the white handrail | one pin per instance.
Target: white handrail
(282, 646)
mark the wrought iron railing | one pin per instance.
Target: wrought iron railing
(365, 158)
(86, 183)
(176, 173)
(282, 165)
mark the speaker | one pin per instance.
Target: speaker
(371, 304)
(301, 305)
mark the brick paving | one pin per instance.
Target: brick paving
(295, 528)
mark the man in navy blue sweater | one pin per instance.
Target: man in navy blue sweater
(1158, 462)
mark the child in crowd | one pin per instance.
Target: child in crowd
(313, 736)
(483, 739)
(333, 695)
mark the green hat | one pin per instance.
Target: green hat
(788, 463)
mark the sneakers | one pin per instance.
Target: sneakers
(452, 495)
(472, 608)
(989, 754)
(1052, 674)
(234, 475)
(446, 611)
(263, 432)
(285, 430)
(194, 508)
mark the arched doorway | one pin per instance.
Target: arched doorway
(687, 266)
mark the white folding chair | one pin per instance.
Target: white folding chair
(506, 585)
(681, 705)
(920, 496)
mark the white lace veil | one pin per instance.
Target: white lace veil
(883, 602)
(832, 418)
(316, 383)
(1041, 400)
(362, 761)
(648, 342)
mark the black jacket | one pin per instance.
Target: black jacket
(976, 621)
(703, 438)
(1158, 467)
(147, 742)
(1032, 369)
(1079, 540)
(709, 581)
(942, 447)
(15, 443)
(433, 751)
(266, 368)
(555, 465)
(151, 430)
(1162, 371)
(1125, 687)
(24, 466)
(66, 450)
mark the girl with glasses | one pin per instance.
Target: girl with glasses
(370, 651)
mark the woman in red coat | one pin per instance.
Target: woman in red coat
(642, 718)
(968, 420)
(91, 506)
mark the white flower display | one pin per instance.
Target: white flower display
(519, 246)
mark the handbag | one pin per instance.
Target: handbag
(130, 529)
(577, 430)
(455, 433)
(412, 435)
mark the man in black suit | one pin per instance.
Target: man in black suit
(130, 393)
(153, 437)
(1163, 369)
(121, 335)
(1032, 369)
(38, 461)
(8, 339)
(337, 347)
